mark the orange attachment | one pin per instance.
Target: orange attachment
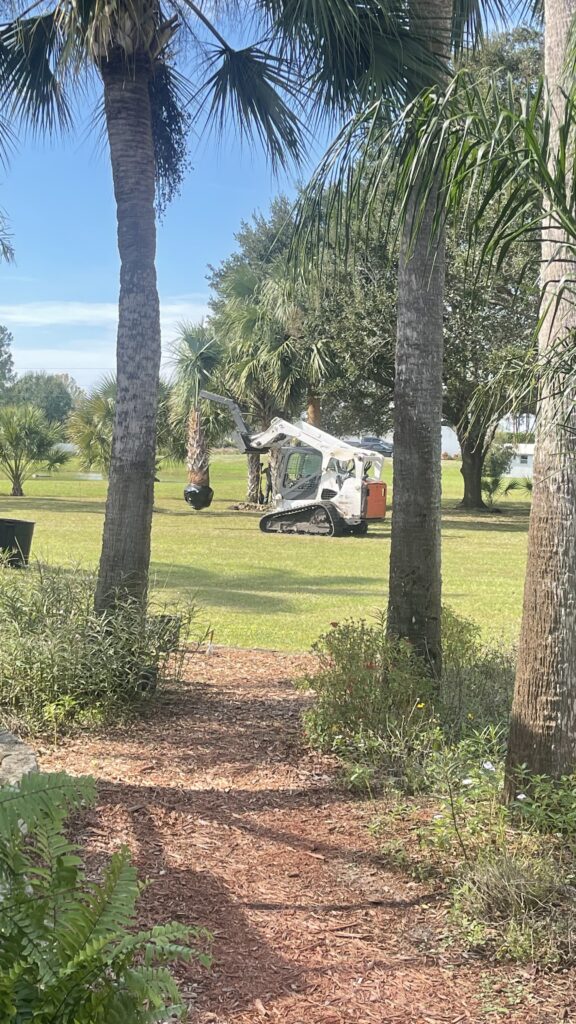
(375, 499)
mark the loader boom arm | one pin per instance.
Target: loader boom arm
(281, 431)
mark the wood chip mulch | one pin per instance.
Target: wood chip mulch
(241, 829)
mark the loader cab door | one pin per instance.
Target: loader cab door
(299, 473)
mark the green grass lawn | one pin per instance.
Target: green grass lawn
(274, 591)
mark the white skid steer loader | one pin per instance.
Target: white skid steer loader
(323, 485)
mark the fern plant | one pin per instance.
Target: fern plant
(67, 955)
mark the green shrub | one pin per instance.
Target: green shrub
(548, 805)
(66, 952)
(377, 708)
(477, 682)
(62, 664)
(372, 705)
(364, 681)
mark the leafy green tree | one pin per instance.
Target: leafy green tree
(47, 391)
(196, 356)
(27, 439)
(489, 327)
(7, 375)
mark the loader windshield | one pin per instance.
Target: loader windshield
(301, 473)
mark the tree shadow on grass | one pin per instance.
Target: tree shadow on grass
(510, 519)
(63, 504)
(268, 590)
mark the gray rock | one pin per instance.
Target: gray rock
(16, 759)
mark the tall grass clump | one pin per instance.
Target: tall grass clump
(62, 665)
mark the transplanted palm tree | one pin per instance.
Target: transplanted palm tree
(195, 356)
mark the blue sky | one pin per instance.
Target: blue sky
(59, 299)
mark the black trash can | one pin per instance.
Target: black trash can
(15, 541)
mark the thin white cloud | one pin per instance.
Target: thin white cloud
(95, 314)
(80, 337)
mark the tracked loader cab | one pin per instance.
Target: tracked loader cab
(322, 485)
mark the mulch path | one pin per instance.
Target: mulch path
(241, 829)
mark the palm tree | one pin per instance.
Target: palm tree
(543, 723)
(517, 151)
(415, 589)
(129, 45)
(196, 356)
(91, 425)
(27, 439)
(381, 125)
(271, 366)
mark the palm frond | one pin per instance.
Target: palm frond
(352, 52)
(31, 85)
(6, 249)
(249, 87)
(471, 19)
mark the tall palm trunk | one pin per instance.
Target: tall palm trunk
(314, 410)
(125, 557)
(414, 607)
(253, 492)
(543, 725)
(197, 454)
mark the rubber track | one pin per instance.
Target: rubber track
(338, 524)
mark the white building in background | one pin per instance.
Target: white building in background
(522, 464)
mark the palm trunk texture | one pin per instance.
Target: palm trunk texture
(314, 411)
(253, 493)
(125, 556)
(543, 724)
(197, 455)
(414, 605)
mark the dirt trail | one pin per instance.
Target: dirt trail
(239, 828)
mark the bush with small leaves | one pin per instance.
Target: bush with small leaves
(62, 664)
